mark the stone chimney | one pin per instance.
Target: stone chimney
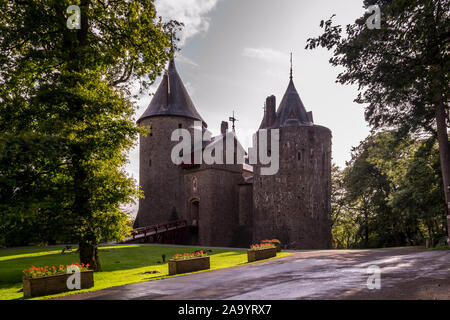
(270, 110)
(224, 127)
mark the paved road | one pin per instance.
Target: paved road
(406, 273)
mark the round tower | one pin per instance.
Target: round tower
(160, 179)
(294, 205)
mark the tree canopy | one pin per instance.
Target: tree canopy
(66, 115)
(401, 69)
(389, 194)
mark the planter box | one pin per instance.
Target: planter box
(188, 265)
(278, 246)
(254, 255)
(44, 286)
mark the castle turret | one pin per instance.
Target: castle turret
(294, 205)
(161, 180)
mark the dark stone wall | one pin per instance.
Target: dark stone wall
(295, 204)
(217, 193)
(243, 237)
(245, 204)
(160, 179)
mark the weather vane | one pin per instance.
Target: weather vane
(291, 66)
(233, 120)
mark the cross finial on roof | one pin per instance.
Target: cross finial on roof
(291, 67)
(233, 120)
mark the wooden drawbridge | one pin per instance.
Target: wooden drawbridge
(173, 232)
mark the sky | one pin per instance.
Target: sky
(235, 53)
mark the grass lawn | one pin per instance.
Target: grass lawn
(440, 248)
(121, 265)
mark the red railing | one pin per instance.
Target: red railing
(172, 232)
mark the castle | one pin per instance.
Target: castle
(234, 204)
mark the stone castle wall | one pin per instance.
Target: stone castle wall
(160, 179)
(295, 204)
(215, 190)
(245, 204)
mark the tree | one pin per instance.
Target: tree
(389, 194)
(368, 189)
(412, 167)
(402, 69)
(344, 214)
(66, 118)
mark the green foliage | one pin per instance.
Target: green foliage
(66, 115)
(389, 194)
(399, 68)
(402, 72)
(344, 215)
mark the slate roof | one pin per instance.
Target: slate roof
(172, 98)
(291, 110)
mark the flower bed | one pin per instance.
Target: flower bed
(50, 280)
(275, 242)
(39, 272)
(188, 262)
(261, 251)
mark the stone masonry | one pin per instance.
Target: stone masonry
(234, 205)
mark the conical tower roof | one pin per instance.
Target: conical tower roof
(291, 110)
(172, 98)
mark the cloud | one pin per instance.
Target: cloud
(186, 60)
(278, 73)
(193, 13)
(265, 54)
(191, 88)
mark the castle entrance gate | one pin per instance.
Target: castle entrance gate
(194, 212)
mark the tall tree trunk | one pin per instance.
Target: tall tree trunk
(88, 242)
(444, 151)
(440, 106)
(366, 229)
(89, 255)
(82, 209)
